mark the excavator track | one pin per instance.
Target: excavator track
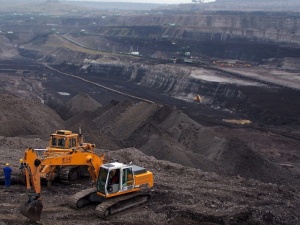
(119, 204)
(68, 174)
(80, 199)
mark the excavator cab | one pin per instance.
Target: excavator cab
(115, 178)
(63, 139)
(122, 186)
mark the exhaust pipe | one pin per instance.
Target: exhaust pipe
(80, 137)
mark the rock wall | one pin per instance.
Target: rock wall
(170, 80)
(250, 36)
(174, 83)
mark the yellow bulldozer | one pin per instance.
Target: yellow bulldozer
(64, 143)
(117, 187)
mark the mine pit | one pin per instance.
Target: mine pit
(205, 96)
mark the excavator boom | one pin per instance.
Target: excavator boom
(32, 209)
(34, 166)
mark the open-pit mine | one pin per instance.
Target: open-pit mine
(206, 96)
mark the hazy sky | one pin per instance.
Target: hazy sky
(149, 1)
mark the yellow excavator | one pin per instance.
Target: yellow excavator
(118, 186)
(63, 143)
(35, 167)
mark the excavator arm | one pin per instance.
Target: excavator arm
(31, 165)
(35, 166)
(32, 209)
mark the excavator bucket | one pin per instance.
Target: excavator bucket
(32, 209)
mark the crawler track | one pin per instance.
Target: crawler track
(81, 198)
(119, 204)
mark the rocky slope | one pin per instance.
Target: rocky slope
(21, 116)
(160, 131)
(168, 134)
(252, 36)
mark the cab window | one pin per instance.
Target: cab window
(61, 142)
(58, 142)
(127, 177)
(54, 141)
(101, 182)
(72, 142)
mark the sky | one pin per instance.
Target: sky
(150, 1)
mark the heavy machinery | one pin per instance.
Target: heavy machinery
(62, 143)
(35, 167)
(118, 186)
(197, 98)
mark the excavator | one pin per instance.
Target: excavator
(118, 186)
(63, 143)
(36, 167)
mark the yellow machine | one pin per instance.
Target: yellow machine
(197, 98)
(61, 143)
(118, 186)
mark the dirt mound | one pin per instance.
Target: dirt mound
(192, 135)
(90, 131)
(129, 120)
(160, 131)
(92, 124)
(23, 117)
(78, 104)
(12, 148)
(7, 48)
(238, 158)
(169, 134)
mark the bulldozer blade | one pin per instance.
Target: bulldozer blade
(32, 210)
